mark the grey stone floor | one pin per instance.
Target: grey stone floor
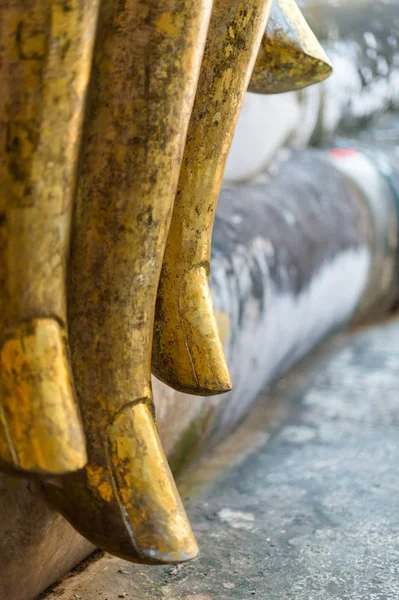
(302, 503)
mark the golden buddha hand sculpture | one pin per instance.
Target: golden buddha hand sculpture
(145, 72)
(45, 62)
(187, 351)
(290, 57)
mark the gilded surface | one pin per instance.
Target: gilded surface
(187, 351)
(290, 57)
(145, 74)
(37, 416)
(45, 61)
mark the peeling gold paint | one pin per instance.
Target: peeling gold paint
(145, 74)
(290, 57)
(187, 351)
(45, 62)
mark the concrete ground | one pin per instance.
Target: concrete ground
(301, 503)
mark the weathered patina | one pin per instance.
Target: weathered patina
(145, 72)
(290, 57)
(187, 351)
(45, 63)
